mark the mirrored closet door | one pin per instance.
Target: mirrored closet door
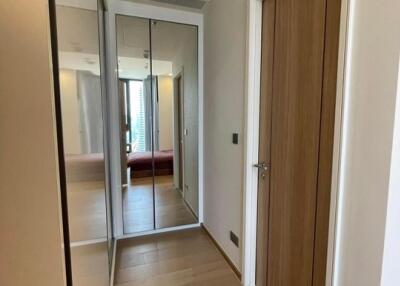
(82, 97)
(158, 95)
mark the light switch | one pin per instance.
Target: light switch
(235, 138)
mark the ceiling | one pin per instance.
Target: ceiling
(77, 30)
(132, 68)
(194, 5)
(167, 39)
(132, 34)
(133, 44)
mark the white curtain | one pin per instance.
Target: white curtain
(90, 109)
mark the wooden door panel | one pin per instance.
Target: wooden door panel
(296, 109)
(332, 32)
(292, 92)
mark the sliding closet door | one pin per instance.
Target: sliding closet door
(136, 97)
(175, 85)
(81, 96)
(106, 135)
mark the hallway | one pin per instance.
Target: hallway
(180, 258)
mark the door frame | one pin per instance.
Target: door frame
(251, 133)
(179, 123)
(162, 14)
(252, 114)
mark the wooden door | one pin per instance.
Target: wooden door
(299, 63)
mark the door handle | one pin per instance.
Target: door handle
(261, 166)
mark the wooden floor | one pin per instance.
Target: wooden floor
(185, 258)
(87, 211)
(171, 209)
(90, 265)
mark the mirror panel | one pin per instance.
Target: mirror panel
(176, 123)
(83, 140)
(136, 99)
(158, 96)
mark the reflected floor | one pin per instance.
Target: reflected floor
(87, 211)
(171, 210)
(184, 258)
(90, 265)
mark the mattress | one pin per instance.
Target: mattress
(141, 163)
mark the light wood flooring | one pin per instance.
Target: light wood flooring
(184, 258)
(87, 222)
(90, 265)
(171, 209)
(87, 211)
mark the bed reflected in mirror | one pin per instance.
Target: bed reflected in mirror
(158, 103)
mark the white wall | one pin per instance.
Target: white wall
(370, 99)
(391, 263)
(70, 112)
(31, 244)
(224, 91)
(165, 112)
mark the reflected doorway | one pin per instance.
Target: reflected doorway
(179, 118)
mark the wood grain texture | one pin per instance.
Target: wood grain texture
(184, 258)
(171, 210)
(87, 210)
(90, 265)
(294, 208)
(332, 32)
(232, 265)
(296, 110)
(291, 237)
(87, 215)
